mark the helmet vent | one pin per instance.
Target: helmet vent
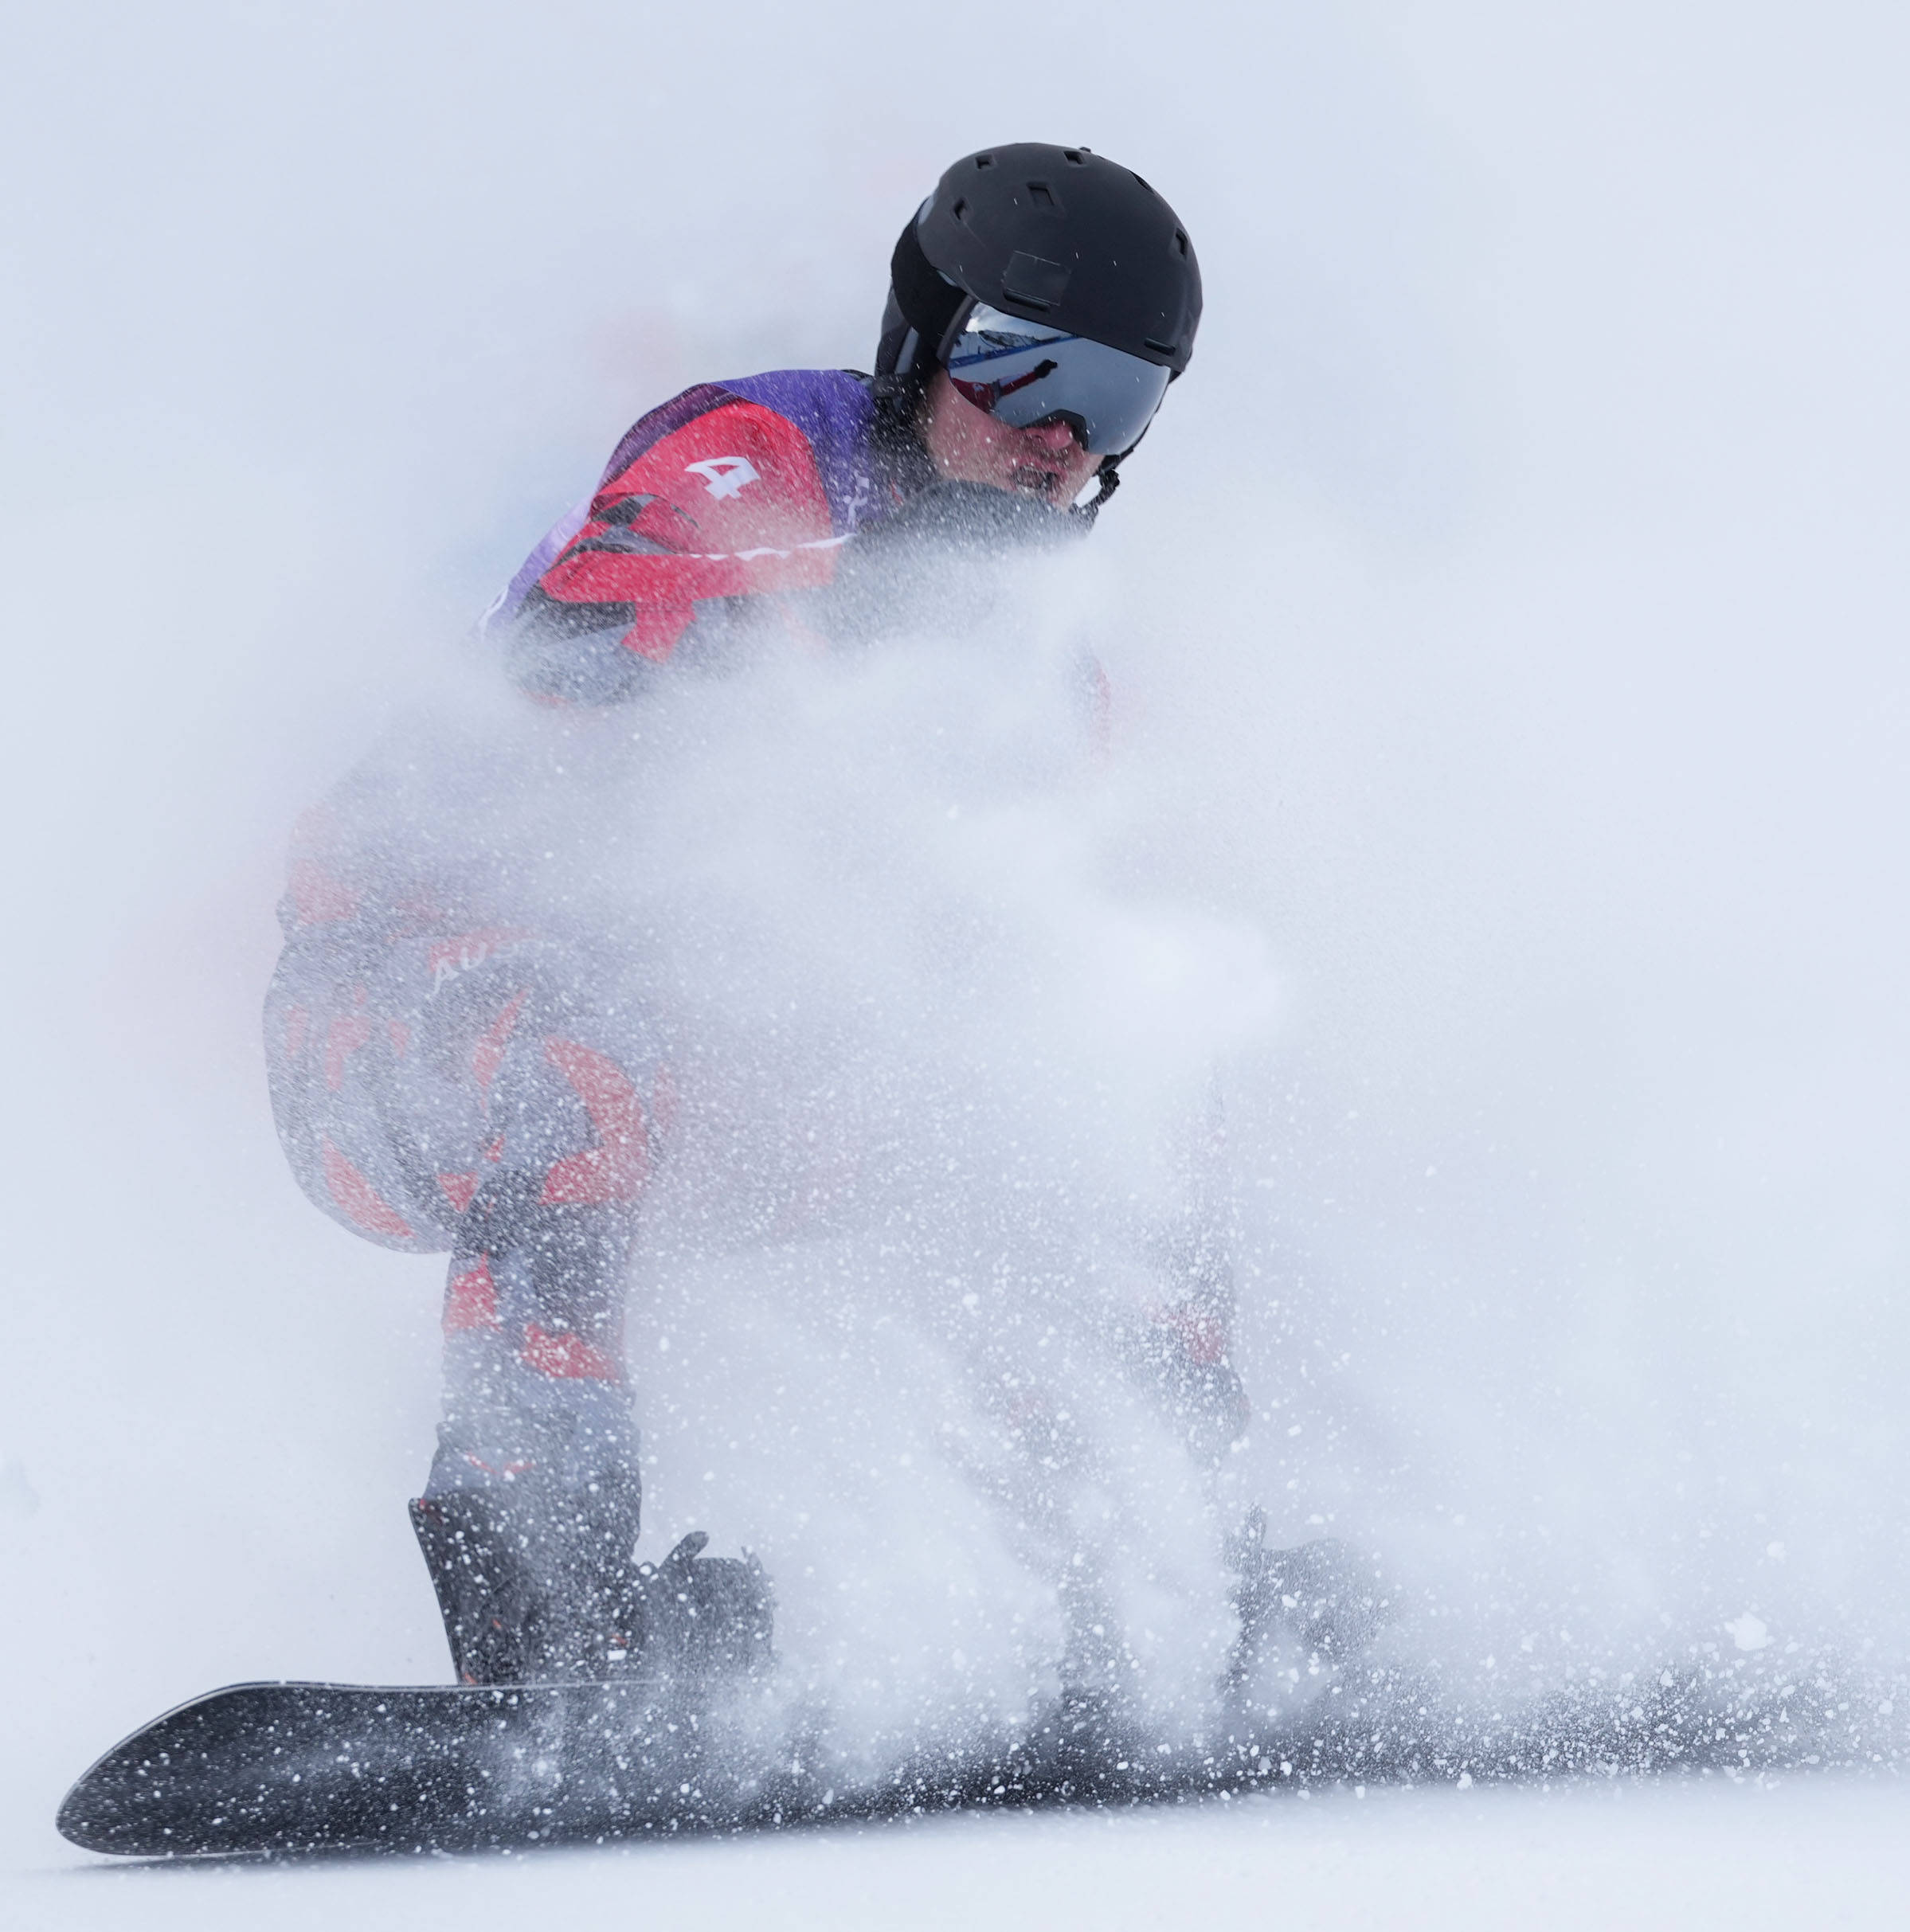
(960, 211)
(1043, 195)
(1179, 237)
(1161, 348)
(984, 161)
(1074, 154)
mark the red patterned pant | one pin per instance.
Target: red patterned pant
(481, 1092)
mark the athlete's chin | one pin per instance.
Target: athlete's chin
(1045, 484)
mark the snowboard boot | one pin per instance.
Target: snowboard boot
(532, 1588)
(531, 1594)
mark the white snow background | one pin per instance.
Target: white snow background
(1508, 616)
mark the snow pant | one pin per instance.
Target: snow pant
(481, 1093)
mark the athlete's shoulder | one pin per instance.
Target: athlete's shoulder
(834, 408)
(723, 473)
(755, 460)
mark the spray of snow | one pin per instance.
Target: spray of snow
(944, 1067)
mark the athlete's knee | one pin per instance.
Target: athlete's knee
(587, 1117)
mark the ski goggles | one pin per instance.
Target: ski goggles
(1024, 373)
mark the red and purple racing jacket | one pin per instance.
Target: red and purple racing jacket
(718, 508)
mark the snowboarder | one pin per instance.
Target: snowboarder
(449, 1075)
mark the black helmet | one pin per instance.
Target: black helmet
(1058, 237)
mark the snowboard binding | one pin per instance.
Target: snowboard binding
(1322, 1595)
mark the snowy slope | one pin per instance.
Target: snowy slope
(1593, 1858)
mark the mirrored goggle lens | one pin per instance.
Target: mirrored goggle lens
(1022, 374)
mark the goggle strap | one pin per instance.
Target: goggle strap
(928, 300)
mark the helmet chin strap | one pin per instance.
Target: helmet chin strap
(1108, 476)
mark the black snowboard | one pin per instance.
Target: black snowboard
(696, 1737)
(306, 1767)
(283, 1767)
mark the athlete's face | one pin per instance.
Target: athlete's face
(967, 445)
